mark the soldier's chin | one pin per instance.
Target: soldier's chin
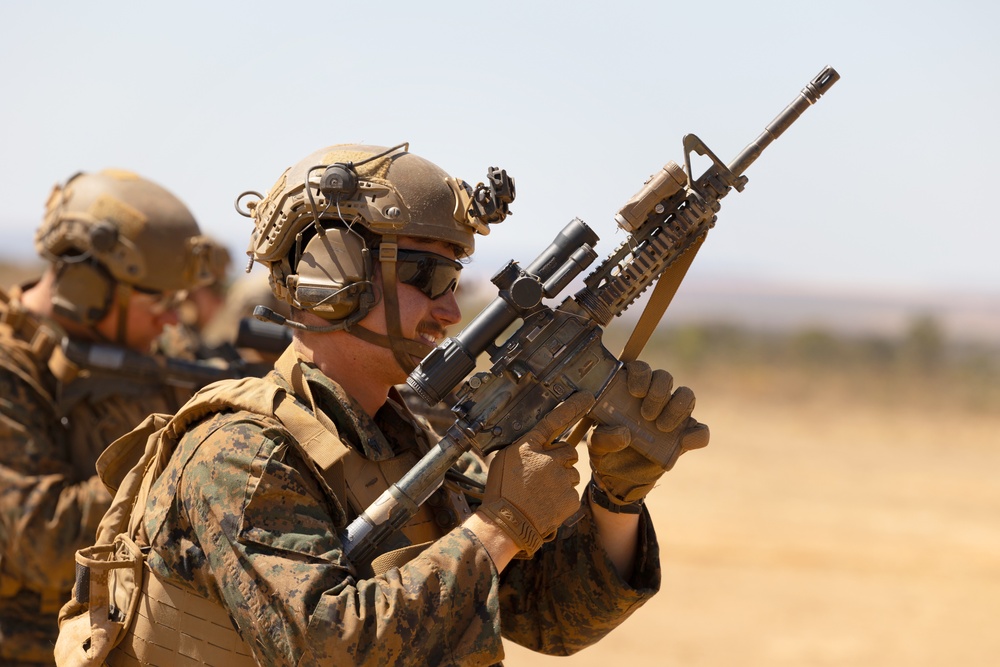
(416, 362)
(430, 347)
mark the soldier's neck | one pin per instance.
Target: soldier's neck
(343, 369)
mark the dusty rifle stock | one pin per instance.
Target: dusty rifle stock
(558, 351)
(263, 336)
(114, 361)
(99, 359)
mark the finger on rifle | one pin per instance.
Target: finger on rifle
(565, 414)
(565, 454)
(696, 435)
(677, 411)
(660, 385)
(637, 377)
(609, 439)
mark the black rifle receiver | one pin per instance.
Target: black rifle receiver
(556, 352)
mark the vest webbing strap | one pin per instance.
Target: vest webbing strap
(176, 628)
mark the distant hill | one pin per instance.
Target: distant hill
(769, 306)
(772, 306)
(964, 317)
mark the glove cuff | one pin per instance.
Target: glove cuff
(514, 523)
(601, 499)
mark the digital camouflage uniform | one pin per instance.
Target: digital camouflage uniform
(237, 517)
(51, 501)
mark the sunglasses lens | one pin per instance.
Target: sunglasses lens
(432, 274)
(162, 302)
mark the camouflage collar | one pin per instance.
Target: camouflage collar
(386, 435)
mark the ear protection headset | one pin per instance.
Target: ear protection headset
(334, 274)
(84, 289)
(334, 270)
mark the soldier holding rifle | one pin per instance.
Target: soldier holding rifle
(259, 477)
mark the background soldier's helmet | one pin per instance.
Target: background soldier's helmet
(203, 303)
(217, 261)
(115, 227)
(360, 195)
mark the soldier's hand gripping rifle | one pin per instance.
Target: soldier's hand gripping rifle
(558, 351)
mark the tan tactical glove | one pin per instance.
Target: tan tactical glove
(530, 489)
(622, 473)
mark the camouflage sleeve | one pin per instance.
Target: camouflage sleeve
(238, 517)
(570, 595)
(48, 509)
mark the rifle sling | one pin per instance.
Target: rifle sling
(659, 300)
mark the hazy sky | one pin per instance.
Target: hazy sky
(887, 184)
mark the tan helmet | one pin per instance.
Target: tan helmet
(215, 262)
(114, 227)
(353, 189)
(330, 217)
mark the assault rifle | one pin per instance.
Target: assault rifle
(101, 360)
(558, 351)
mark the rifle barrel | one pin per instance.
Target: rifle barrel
(806, 98)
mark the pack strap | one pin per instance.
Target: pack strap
(43, 336)
(315, 433)
(397, 558)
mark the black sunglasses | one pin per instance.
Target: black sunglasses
(429, 272)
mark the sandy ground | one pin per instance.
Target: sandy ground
(820, 533)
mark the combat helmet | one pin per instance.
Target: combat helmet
(330, 217)
(108, 232)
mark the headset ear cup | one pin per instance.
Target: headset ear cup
(83, 292)
(332, 278)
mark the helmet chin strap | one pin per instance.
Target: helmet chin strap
(399, 346)
(122, 295)
(412, 347)
(402, 348)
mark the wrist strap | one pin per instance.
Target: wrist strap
(601, 499)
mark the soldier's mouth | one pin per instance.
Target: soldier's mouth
(431, 334)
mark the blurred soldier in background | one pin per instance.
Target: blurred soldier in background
(256, 478)
(243, 295)
(201, 306)
(121, 252)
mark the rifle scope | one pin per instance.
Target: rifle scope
(520, 292)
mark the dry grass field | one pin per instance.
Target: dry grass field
(828, 523)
